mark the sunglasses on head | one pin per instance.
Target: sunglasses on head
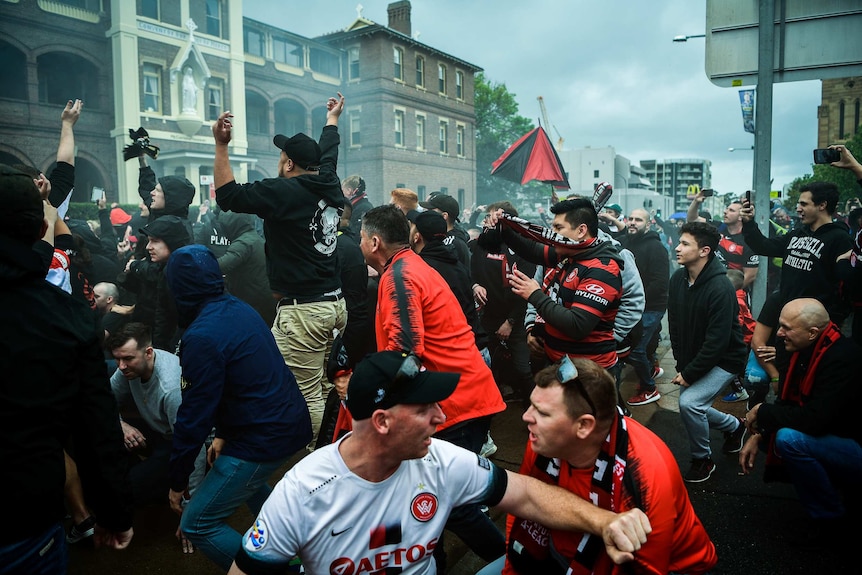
(567, 372)
(410, 368)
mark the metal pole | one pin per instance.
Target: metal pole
(763, 137)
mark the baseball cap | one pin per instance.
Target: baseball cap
(615, 207)
(299, 148)
(443, 203)
(119, 217)
(170, 229)
(389, 378)
(429, 224)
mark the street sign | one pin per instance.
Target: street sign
(813, 41)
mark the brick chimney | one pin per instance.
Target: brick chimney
(399, 17)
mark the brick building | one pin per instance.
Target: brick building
(838, 116)
(173, 65)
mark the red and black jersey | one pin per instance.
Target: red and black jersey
(735, 253)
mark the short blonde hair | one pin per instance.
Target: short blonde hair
(406, 198)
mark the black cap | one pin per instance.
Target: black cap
(373, 386)
(443, 203)
(300, 148)
(170, 229)
(429, 224)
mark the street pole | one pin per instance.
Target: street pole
(763, 138)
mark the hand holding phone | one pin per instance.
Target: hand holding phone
(826, 156)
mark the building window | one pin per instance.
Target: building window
(355, 139)
(856, 117)
(256, 113)
(287, 52)
(398, 59)
(841, 134)
(441, 78)
(13, 73)
(324, 62)
(459, 140)
(62, 74)
(595, 173)
(399, 128)
(254, 42)
(420, 132)
(420, 71)
(152, 88)
(420, 191)
(150, 9)
(215, 99)
(459, 85)
(213, 26)
(353, 63)
(444, 137)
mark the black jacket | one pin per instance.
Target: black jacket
(702, 319)
(444, 260)
(359, 334)
(653, 266)
(825, 410)
(54, 387)
(490, 270)
(360, 205)
(300, 221)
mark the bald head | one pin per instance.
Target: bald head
(801, 322)
(808, 312)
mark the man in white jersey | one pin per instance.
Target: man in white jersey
(378, 499)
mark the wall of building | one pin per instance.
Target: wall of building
(835, 92)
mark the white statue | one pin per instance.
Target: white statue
(190, 92)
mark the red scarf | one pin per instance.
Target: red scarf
(798, 389)
(540, 234)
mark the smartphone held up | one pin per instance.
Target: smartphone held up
(826, 156)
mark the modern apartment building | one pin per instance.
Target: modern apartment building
(672, 178)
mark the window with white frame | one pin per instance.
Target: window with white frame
(420, 71)
(150, 9)
(214, 17)
(287, 52)
(399, 128)
(355, 139)
(459, 84)
(441, 78)
(460, 132)
(215, 98)
(444, 137)
(420, 132)
(398, 59)
(152, 77)
(353, 63)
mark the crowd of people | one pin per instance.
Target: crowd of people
(151, 358)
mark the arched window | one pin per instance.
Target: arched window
(290, 117)
(256, 113)
(63, 76)
(841, 120)
(13, 72)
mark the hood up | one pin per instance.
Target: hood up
(194, 279)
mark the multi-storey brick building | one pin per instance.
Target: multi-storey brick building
(173, 65)
(838, 116)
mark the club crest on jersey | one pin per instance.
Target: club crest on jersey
(571, 277)
(184, 384)
(424, 507)
(257, 536)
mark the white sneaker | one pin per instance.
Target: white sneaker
(489, 448)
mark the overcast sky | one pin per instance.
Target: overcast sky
(608, 71)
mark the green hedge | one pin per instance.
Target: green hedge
(90, 211)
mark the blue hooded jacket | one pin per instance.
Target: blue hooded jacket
(234, 378)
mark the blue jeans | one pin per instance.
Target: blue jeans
(698, 415)
(814, 465)
(42, 554)
(638, 357)
(229, 483)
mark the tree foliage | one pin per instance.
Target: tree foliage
(844, 179)
(498, 126)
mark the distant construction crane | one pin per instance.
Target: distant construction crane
(559, 144)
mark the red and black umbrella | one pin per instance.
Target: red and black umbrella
(532, 157)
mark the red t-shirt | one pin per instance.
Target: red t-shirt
(678, 541)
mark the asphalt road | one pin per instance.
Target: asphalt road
(750, 522)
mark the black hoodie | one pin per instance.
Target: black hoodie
(703, 321)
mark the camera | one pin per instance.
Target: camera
(707, 192)
(826, 156)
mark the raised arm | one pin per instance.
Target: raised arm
(222, 132)
(70, 115)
